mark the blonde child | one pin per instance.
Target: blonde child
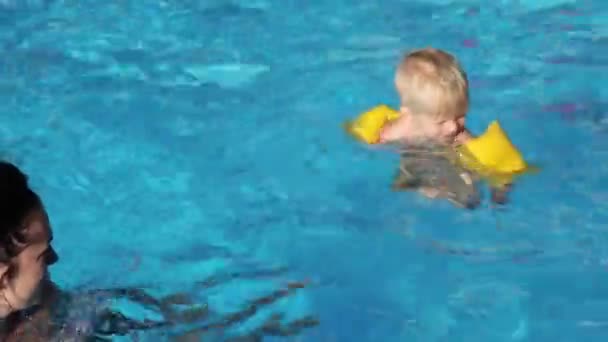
(434, 94)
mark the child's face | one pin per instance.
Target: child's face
(427, 126)
(440, 130)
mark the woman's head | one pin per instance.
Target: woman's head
(25, 237)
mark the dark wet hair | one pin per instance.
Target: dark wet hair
(17, 201)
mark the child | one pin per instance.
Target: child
(434, 94)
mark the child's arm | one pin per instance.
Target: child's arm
(393, 131)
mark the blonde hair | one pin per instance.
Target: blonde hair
(432, 81)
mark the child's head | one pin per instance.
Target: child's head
(434, 93)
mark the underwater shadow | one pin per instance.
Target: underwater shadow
(88, 316)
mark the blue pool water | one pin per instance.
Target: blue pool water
(195, 147)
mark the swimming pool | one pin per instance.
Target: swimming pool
(190, 146)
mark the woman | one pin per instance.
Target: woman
(25, 253)
(33, 309)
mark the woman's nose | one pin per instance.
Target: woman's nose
(51, 256)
